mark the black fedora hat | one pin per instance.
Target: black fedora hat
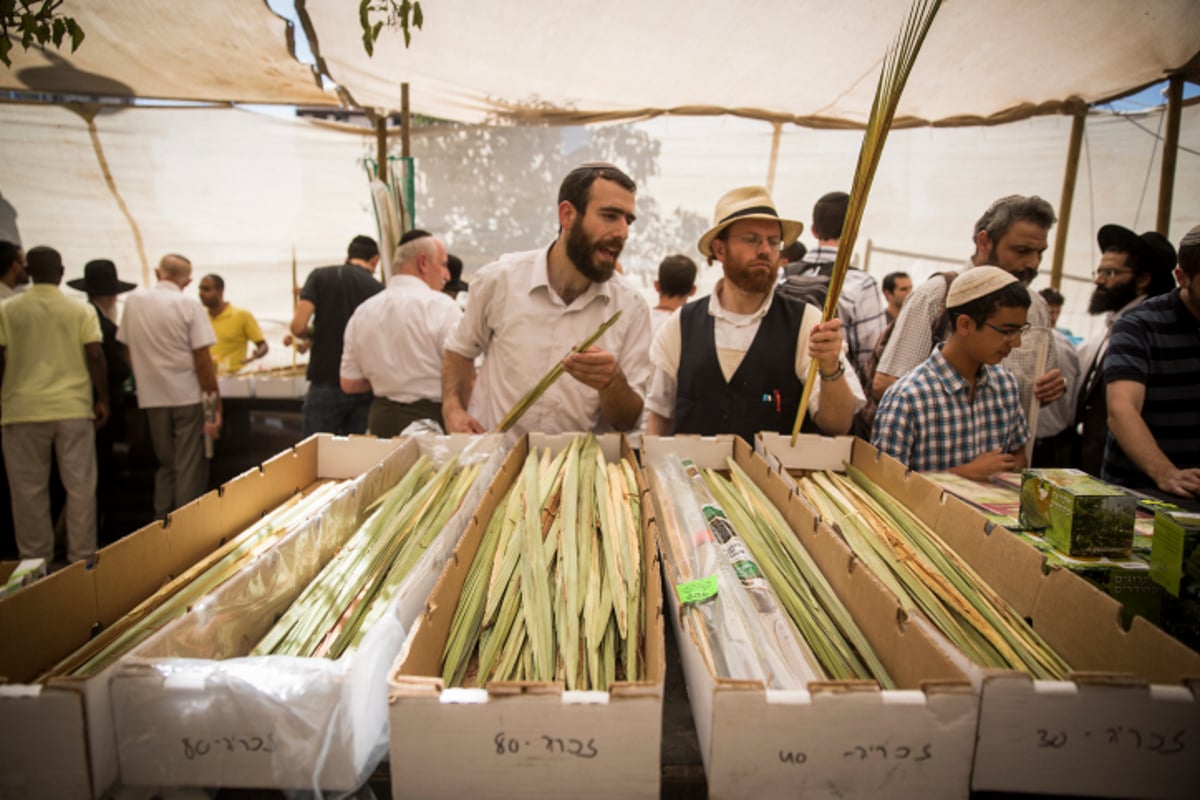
(100, 278)
(1154, 253)
(454, 266)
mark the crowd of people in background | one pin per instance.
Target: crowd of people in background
(966, 372)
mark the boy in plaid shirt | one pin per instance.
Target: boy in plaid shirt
(960, 411)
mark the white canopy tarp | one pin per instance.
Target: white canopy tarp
(810, 61)
(218, 50)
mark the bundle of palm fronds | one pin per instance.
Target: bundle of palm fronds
(531, 397)
(354, 589)
(176, 597)
(897, 66)
(926, 575)
(556, 589)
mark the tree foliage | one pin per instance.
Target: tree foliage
(373, 15)
(30, 22)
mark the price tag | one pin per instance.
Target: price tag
(698, 590)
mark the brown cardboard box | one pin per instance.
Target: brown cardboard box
(523, 740)
(1121, 727)
(192, 709)
(57, 738)
(836, 739)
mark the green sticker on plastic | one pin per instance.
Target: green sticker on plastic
(696, 591)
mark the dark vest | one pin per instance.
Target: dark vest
(762, 395)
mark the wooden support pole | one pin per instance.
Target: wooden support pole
(405, 123)
(1166, 183)
(1068, 195)
(381, 169)
(774, 156)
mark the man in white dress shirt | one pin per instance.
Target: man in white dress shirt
(525, 311)
(394, 341)
(168, 335)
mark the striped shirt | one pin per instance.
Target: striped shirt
(860, 307)
(928, 421)
(1158, 345)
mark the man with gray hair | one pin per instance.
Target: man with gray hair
(168, 335)
(394, 340)
(1012, 235)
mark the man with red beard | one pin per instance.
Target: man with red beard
(1132, 269)
(526, 309)
(735, 362)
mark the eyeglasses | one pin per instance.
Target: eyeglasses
(1011, 334)
(754, 241)
(1109, 272)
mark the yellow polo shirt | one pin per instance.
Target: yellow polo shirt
(235, 328)
(45, 372)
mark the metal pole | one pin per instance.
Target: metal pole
(1068, 195)
(1166, 183)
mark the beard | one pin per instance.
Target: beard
(755, 281)
(1112, 298)
(1025, 276)
(586, 256)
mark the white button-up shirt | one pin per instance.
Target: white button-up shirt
(395, 340)
(163, 327)
(523, 328)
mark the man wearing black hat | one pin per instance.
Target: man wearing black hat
(456, 284)
(1132, 269)
(102, 286)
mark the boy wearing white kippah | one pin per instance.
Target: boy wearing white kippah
(960, 411)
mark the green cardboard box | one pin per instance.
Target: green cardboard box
(1174, 557)
(1078, 514)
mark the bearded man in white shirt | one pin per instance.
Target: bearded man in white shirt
(526, 310)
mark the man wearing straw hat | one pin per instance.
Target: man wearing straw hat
(959, 411)
(735, 361)
(1012, 235)
(528, 309)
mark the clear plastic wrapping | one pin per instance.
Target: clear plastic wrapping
(749, 635)
(309, 724)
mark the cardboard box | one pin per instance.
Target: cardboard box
(16, 575)
(57, 738)
(192, 709)
(235, 385)
(1121, 726)
(289, 387)
(1174, 557)
(1079, 515)
(837, 738)
(524, 740)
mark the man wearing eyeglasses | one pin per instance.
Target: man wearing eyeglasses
(959, 411)
(735, 361)
(1012, 235)
(1132, 269)
(1153, 394)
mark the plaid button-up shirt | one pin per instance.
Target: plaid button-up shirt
(928, 420)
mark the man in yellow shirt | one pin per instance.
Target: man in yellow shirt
(54, 395)
(234, 327)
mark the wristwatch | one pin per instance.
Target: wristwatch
(837, 373)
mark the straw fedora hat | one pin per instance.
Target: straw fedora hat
(747, 202)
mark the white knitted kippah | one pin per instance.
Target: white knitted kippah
(976, 282)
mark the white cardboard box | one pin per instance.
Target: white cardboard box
(192, 709)
(289, 387)
(524, 740)
(837, 739)
(57, 737)
(1127, 723)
